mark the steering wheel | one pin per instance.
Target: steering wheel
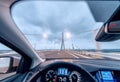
(84, 75)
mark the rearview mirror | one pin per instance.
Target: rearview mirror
(110, 30)
(5, 63)
(113, 27)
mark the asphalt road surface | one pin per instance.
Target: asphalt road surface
(68, 54)
(65, 54)
(47, 54)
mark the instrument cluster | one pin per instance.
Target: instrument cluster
(62, 75)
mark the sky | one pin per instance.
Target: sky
(42, 22)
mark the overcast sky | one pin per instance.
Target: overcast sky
(43, 22)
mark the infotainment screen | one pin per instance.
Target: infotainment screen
(107, 75)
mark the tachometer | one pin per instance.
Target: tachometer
(75, 77)
(51, 76)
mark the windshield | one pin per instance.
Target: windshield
(66, 29)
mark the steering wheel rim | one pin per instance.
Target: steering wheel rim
(59, 64)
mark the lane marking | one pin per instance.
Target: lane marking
(79, 55)
(73, 55)
(82, 55)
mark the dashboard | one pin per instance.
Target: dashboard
(62, 75)
(70, 72)
(69, 75)
(63, 72)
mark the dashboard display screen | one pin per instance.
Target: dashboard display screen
(106, 75)
(62, 71)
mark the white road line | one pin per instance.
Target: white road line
(73, 55)
(79, 55)
(82, 55)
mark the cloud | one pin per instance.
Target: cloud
(37, 17)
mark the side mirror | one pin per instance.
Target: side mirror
(113, 27)
(5, 64)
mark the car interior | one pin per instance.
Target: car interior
(59, 41)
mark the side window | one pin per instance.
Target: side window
(9, 61)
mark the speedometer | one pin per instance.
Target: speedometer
(75, 77)
(51, 76)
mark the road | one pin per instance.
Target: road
(65, 54)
